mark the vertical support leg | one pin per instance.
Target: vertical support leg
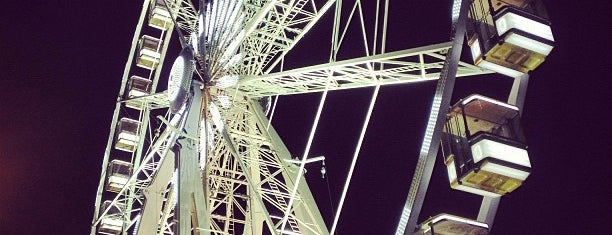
(255, 214)
(488, 207)
(437, 117)
(192, 204)
(154, 197)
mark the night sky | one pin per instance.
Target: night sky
(61, 65)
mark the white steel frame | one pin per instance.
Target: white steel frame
(245, 172)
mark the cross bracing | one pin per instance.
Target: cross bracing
(245, 174)
(270, 29)
(405, 66)
(400, 67)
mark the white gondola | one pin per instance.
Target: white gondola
(445, 224)
(127, 137)
(111, 223)
(138, 86)
(119, 173)
(485, 151)
(148, 52)
(511, 37)
(159, 16)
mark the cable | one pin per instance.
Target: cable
(355, 156)
(306, 152)
(331, 203)
(282, 65)
(275, 99)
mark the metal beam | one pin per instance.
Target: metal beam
(435, 125)
(154, 197)
(283, 26)
(488, 206)
(192, 208)
(397, 67)
(306, 209)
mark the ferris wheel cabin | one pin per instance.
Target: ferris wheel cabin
(159, 17)
(138, 86)
(127, 139)
(119, 175)
(511, 37)
(111, 223)
(148, 52)
(484, 148)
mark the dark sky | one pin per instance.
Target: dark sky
(61, 64)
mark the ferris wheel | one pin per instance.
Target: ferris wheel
(200, 156)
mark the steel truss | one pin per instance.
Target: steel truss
(399, 67)
(244, 181)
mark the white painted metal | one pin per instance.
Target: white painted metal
(400, 67)
(489, 205)
(154, 76)
(397, 67)
(252, 148)
(435, 124)
(245, 177)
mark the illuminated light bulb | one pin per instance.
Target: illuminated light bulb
(511, 20)
(216, 116)
(227, 81)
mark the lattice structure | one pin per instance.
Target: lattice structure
(244, 180)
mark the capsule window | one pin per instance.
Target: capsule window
(159, 16)
(119, 173)
(148, 52)
(111, 223)
(484, 147)
(127, 137)
(138, 86)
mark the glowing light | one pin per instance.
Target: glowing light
(176, 73)
(211, 135)
(489, 178)
(510, 20)
(194, 42)
(233, 61)
(454, 182)
(119, 175)
(216, 115)
(128, 135)
(148, 54)
(227, 81)
(442, 217)
(528, 43)
(160, 17)
(111, 225)
(489, 148)
(488, 100)
(450, 224)
(504, 170)
(500, 69)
